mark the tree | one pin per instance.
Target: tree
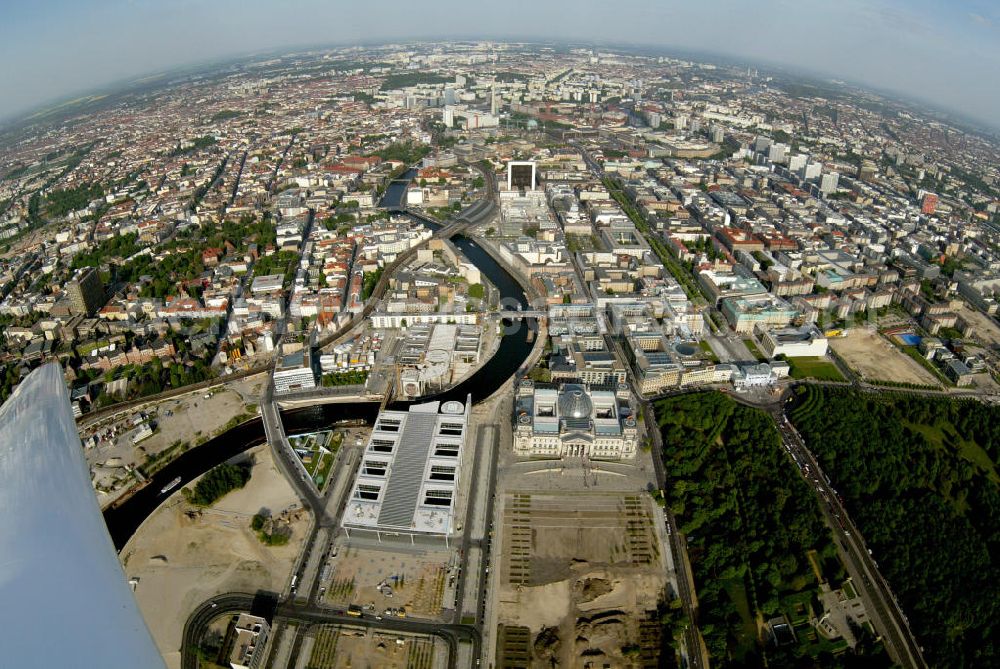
(369, 282)
(916, 477)
(744, 509)
(217, 482)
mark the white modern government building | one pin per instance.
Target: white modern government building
(407, 484)
(804, 341)
(574, 421)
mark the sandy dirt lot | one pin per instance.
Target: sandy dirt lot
(872, 357)
(986, 329)
(416, 580)
(193, 418)
(190, 419)
(581, 572)
(181, 560)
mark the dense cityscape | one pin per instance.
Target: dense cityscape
(520, 355)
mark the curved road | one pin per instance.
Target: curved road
(264, 605)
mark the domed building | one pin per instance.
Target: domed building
(574, 420)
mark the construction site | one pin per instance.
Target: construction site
(581, 578)
(351, 647)
(396, 582)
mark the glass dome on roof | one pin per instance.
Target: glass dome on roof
(574, 403)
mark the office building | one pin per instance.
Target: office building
(407, 484)
(928, 205)
(758, 375)
(804, 341)
(828, 183)
(812, 171)
(777, 153)
(250, 635)
(522, 174)
(762, 144)
(294, 372)
(591, 364)
(746, 313)
(85, 292)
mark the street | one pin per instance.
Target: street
(879, 600)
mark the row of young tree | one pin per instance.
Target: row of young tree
(919, 478)
(750, 522)
(153, 377)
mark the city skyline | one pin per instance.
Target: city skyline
(523, 354)
(926, 51)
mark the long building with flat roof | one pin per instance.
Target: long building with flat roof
(407, 484)
(804, 341)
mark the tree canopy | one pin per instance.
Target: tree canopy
(751, 522)
(919, 478)
(217, 482)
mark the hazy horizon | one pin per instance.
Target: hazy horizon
(942, 55)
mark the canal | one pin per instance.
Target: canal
(515, 346)
(395, 193)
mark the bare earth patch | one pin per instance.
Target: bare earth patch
(874, 358)
(414, 580)
(182, 559)
(581, 572)
(985, 329)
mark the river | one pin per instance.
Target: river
(395, 192)
(514, 349)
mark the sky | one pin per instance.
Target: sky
(945, 52)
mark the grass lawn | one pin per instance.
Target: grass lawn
(319, 458)
(707, 350)
(736, 589)
(798, 607)
(820, 369)
(814, 563)
(754, 351)
(815, 644)
(944, 435)
(322, 473)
